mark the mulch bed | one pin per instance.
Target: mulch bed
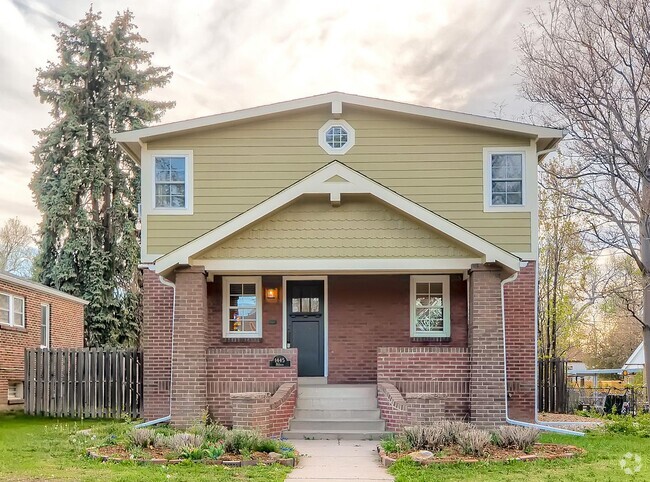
(566, 417)
(454, 454)
(152, 455)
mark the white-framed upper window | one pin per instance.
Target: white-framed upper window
(172, 181)
(45, 325)
(336, 136)
(12, 310)
(242, 307)
(430, 306)
(505, 179)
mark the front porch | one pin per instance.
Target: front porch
(347, 328)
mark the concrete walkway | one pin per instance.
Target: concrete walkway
(338, 460)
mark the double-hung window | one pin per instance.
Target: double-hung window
(45, 326)
(12, 310)
(242, 307)
(430, 308)
(171, 189)
(505, 179)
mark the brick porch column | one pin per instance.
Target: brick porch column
(486, 387)
(189, 377)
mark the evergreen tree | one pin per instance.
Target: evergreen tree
(86, 188)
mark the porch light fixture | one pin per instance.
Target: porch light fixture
(271, 295)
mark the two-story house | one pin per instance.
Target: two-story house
(388, 251)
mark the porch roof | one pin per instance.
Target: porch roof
(334, 180)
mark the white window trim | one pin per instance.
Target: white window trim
(49, 324)
(189, 183)
(446, 319)
(332, 150)
(227, 281)
(487, 180)
(18, 388)
(12, 322)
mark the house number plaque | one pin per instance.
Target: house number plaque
(279, 361)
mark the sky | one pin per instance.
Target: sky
(228, 55)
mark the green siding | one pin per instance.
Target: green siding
(435, 164)
(358, 228)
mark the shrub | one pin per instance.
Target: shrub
(521, 438)
(453, 428)
(211, 432)
(213, 451)
(192, 453)
(395, 445)
(179, 441)
(628, 425)
(268, 445)
(436, 437)
(415, 437)
(141, 437)
(239, 440)
(474, 441)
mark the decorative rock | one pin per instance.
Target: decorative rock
(275, 456)
(422, 456)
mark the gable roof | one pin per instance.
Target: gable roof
(336, 179)
(41, 288)
(131, 141)
(636, 359)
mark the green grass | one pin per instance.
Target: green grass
(600, 463)
(33, 448)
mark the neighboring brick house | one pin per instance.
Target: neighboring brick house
(380, 247)
(31, 316)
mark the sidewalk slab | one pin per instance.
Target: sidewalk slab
(342, 460)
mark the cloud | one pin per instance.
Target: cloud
(452, 54)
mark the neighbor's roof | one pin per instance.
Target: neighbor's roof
(636, 358)
(131, 140)
(33, 285)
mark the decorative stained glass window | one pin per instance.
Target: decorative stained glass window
(430, 306)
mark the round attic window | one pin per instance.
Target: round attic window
(336, 136)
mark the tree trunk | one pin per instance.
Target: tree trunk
(644, 251)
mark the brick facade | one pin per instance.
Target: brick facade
(66, 331)
(190, 338)
(368, 312)
(519, 299)
(156, 342)
(244, 370)
(486, 387)
(369, 341)
(434, 370)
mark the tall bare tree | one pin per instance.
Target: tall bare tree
(589, 61)
(16, 248)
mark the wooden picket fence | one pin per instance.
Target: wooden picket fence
(552, 389)
(83, 383)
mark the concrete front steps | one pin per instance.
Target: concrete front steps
(336, 412)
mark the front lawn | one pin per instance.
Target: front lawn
(600, 463)
(33, 448)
